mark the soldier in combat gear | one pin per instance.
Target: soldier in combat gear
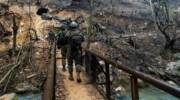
(74, 52)
(62, 43)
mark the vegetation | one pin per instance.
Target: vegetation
(165, 24)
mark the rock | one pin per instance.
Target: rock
(142, 84)
(22, 87)
(3, 8)
(177, 56)
(172, 83)
(57, 3)
(120, 90)
(10, 96)
(27, 69)
(176, 45)
(98, 47)
(31, 76)
(173, 70)
(122, 7)
(173, 65)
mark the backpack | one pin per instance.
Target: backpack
(76, 40)
(61, 40)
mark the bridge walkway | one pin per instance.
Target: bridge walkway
(77, 91)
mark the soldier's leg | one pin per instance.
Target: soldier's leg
(70, 68)
(63, 53)
(78, 66)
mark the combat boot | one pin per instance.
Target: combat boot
(71, 77)
(78, 77)
(64, 69)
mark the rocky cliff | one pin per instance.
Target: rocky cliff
(138, 8)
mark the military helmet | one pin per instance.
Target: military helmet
(73, 24)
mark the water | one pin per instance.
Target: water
(29, 96)
(155, 94)
(150, 93)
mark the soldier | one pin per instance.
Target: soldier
(62, 43)
(74, 52)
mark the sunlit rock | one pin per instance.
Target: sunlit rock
(10, 96)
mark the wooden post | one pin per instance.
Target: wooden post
(15, 29)
(54, 57)
(49, 87)
(108, 83)
(134, 88)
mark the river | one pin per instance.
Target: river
(150, 93)
(29, 96)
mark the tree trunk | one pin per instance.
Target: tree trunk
(170, 45)
(15, 29)
(14, 41)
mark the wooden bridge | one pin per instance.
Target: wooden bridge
(80, 90)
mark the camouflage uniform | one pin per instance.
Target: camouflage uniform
(50, 38)
(64, 55)
(58, 32)
(74, 53)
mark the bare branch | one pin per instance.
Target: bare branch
(178, 38)
(163, 31)
(9, 72)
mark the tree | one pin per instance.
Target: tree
(15, 26)
(164, 24)
(90, 27)
(15, 30)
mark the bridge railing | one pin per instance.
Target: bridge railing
(50, 83)
(134, 76)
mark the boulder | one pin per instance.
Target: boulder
(3, 8)
(56, 3)
(10, 96)
(50, 3)
(176, 45)
(23, 87)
